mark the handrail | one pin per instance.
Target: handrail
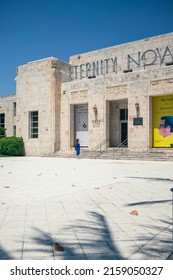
(122, 143)
(99, 146)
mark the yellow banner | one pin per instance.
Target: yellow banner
(162, 121)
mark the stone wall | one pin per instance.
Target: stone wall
(7, 108)
(38, 89)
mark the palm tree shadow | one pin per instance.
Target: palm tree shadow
(4, 255)
(92, 240)
(150, 202)
(95, 238)
(159, 245)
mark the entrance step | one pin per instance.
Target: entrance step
(119, 154)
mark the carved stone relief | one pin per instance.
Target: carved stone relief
(79, 95)
(115, 91)
(162, 86)
(53, 63)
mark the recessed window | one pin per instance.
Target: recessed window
(123, 114)
(14, 109)
(14, 130)
(2, 120)
(33, 118)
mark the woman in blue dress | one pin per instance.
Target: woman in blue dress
(77, 148)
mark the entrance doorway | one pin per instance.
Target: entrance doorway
(118, 122)
(124, 131)
(81, 124)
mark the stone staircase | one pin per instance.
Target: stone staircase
(125, 154)
(119, 154)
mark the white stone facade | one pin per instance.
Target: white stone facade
(111, 83)
(7, 108)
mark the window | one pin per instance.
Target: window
(123, 114)
(2, 120)
(14, 130)
(33, 119)
(14, 109)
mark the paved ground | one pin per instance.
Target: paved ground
(85, 205)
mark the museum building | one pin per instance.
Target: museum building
(117, 96)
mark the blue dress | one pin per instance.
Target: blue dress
(77, 149)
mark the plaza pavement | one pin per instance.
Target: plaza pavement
(85, 205)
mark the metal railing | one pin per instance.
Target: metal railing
(99, 146)
(122, 144)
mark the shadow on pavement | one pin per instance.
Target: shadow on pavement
(92, 241)
(4, 255)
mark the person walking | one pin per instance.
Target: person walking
(77, 148)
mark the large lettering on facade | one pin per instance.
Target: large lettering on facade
(109, 65)
(149, 57)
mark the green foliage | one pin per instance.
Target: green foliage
(2, 132)
(12, 146)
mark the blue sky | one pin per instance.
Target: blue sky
(36, 29)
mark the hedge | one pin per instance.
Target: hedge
(2, 132)
(12, 146)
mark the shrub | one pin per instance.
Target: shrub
(12, 146)
(2, 132)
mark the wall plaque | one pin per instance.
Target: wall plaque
(137, 121)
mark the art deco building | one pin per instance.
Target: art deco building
(122, 94)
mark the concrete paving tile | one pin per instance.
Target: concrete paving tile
(66, 239)
(125, 247)
(110, 256)
(138, 236)
(120, 220)
(134, 230)
(77, 217)
(14, 219)
(19, 210)
(36, 215)
(152, 255)
(155, 229)
(37, 255)
(36, 230)
(8, 255)
(56, 213)
(46, 241)
(156, 245)
(137, 256)
(170, 256)
(36, 245)
(70, 248)
(2, 215)
(76, 257)
(89, 238)
(117, 235)
(166, 234)
(56, 230)
(11, 248)
(35, 250)
(97, 247)
(11, 230)
(86, 213)
(57, 217)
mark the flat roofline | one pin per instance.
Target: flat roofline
(123, 44)
(51, 57)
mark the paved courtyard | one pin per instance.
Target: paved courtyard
(85, 206)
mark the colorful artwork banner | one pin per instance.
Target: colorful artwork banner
(162, 121)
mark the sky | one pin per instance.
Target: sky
(37, 29)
